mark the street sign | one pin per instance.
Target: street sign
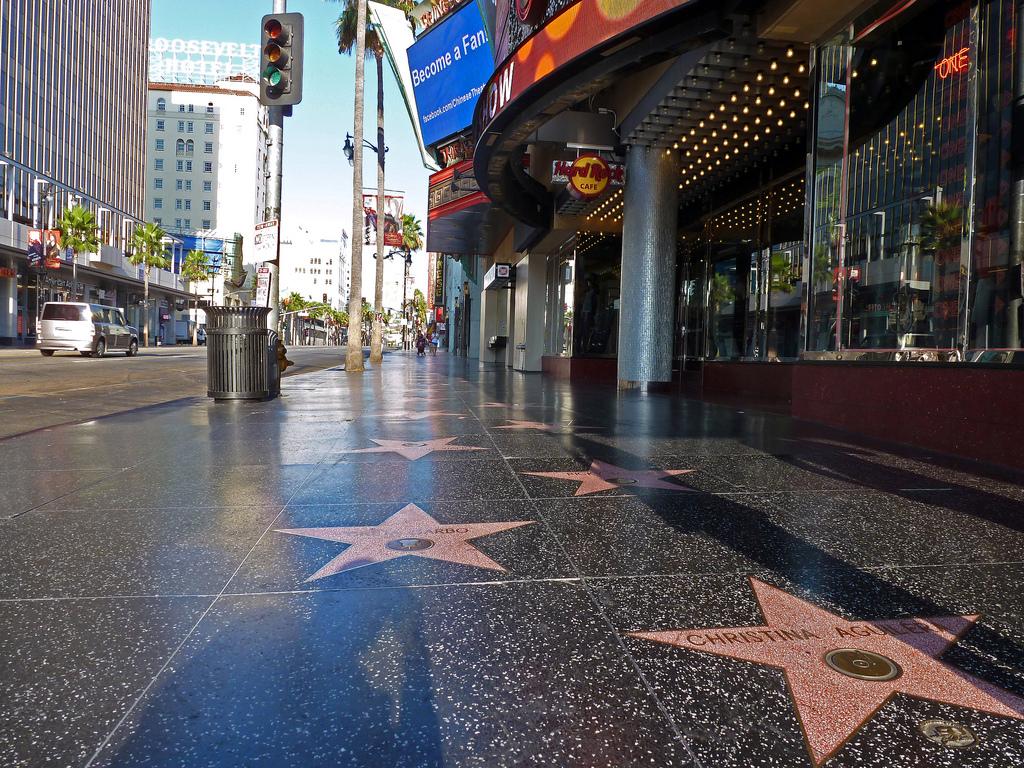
(262, 287)
(265, 240)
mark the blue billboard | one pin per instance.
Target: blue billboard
(450, 65)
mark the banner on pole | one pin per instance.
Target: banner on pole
(44, 249)
(393, 206)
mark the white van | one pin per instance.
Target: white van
(90, 329)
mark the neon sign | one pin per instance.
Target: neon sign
(956, 64)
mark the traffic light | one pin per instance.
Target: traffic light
(281, 60)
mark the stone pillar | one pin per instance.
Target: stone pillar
(647, 308)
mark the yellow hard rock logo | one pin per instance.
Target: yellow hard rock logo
(589, 176)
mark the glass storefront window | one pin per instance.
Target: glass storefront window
(559, 318)
(596, 313)
(910, 233)
(754, 284)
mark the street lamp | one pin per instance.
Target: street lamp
(349, 150)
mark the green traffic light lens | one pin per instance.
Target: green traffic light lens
(273, 76)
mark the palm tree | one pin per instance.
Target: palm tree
(77, 227)
(412, 240)
(412, 233)
(148, 250)
(354, 355)
(351, 29)
(194, 269)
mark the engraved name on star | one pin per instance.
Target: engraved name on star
(603, 476)
(875, 660)
(420, 415)
(554, 429)
(414, 449)
(410, 532)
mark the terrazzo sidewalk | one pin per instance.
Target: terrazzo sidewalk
(438, 564)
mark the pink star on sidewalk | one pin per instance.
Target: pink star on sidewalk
(605, 477)
(841, 672)
(408, 532)
(415, 449)
(554, 429)
(419, 415)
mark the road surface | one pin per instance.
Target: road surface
(38, 392)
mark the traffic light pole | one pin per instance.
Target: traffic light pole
(275, 161)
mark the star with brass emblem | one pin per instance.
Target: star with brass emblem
(603, 476)
(415, 449)
(840, 672)
(409, 532)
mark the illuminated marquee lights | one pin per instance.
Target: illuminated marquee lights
(956, 64)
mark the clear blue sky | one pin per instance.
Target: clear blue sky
(317, 177)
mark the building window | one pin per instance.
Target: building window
(158, 164)
(207, 186)
(179, 184)
(181, 126)
(159, 145)
(160, 125)
(158, 202)
(158, 220)
(188, 185)
(190, 127)
(188, 205)
(241, 111)
(208, 147)
(179, 147)
(190, 146)
(191, 107)
(179, 166)
(207, 167)
(181, 107)
(188, 166)
(158, 183)
(188, 223)
(209, 108)
(208, 128)
(206, 205)
(207, 224)
(161, 105)
(178, 204)
(177, 223)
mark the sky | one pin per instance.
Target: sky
(317, 189)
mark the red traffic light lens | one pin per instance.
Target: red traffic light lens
(273, 28)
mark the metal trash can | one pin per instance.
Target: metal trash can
(241, 354)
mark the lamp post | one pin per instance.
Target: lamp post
(349, 148)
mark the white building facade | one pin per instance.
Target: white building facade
(314, 267)
(207, 167)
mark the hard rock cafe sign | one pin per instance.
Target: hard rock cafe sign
(588, 176)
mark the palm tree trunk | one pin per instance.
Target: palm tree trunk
(145, 306)
(354, 356)
(377, 341)
(195, 316)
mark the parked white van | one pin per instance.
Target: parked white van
(90, 329)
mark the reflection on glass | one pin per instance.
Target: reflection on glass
(895, 254)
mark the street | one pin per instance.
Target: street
(38, 392)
